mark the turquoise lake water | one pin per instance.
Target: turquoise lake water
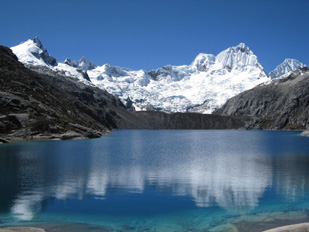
(163, 180)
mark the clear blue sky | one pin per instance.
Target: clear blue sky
(147, 34)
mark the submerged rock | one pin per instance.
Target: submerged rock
(305, 133)
(21, 229)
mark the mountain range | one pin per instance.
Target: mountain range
(202, 86)
(42, 98)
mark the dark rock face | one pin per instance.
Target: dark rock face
(48, 59)
(283, 104)
(160, 120)
(82, 63)
(164, 72)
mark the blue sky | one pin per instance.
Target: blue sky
(147, 34)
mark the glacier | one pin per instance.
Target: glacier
(202, 86)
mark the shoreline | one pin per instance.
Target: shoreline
(53, 137)
(73, 135)
(69, 135)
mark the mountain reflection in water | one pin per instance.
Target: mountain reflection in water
(227, 169)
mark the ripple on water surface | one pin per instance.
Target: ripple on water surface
(157, 181)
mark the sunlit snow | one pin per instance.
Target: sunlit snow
(202, 86)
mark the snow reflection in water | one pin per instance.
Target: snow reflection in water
(207, 167)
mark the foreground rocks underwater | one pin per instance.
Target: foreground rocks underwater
(294, 222)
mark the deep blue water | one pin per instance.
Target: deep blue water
(164, 180)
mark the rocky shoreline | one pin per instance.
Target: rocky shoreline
(70, 135)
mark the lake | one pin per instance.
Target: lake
(158, 180)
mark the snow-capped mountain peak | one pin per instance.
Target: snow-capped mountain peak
(33, 52)
(230, 58)
(243, 48)
(238, 57)
(285, 67)
(82, 63)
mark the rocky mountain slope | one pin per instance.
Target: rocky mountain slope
(283, 104)
(202, 86)
(44, 104)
